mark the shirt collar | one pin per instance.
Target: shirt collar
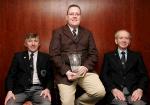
(71, 28)
(119, 51)
(35, 53)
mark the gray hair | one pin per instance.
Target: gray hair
(119, 31)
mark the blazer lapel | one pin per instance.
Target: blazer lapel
(79, 35)
(26, 59)
(117, 57)
(129, 60)
(68, 32)
(38, 61)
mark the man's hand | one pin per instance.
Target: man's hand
(118, 94)
(137, 94)
(46, 93)
(82, 70)
(71, 75)
(9, 96)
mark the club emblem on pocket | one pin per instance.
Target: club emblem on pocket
(43, 73)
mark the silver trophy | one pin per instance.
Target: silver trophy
(75, 61)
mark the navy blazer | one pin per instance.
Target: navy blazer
(19, 76)
(114, 76)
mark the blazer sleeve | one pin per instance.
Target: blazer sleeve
(55, 53)
(142, 74)
(10, 78)
(92, 53)
(105, 75)
(50, 74)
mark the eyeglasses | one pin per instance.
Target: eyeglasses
(74, 14)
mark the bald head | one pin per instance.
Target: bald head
(122, 39)
(122, 32)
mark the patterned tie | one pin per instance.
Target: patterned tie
(123, 59)
(74, 33)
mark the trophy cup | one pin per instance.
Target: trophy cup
(75, 61)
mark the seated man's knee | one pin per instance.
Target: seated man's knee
(11, 102)
(99, 92)
(139, 102)
(45, 101)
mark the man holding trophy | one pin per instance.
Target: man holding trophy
(74, 54)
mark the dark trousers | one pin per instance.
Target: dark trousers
(32, 94)
(127, 102)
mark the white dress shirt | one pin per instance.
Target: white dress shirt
(35, 79)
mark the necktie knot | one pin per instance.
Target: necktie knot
(31, 55)
(123, 53)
